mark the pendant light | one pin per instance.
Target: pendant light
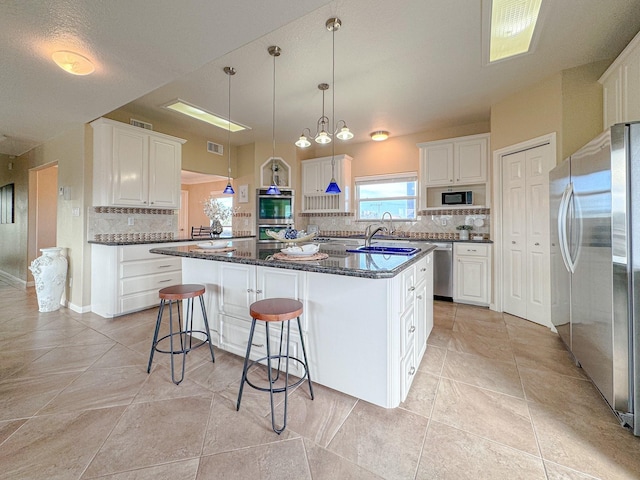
(332, 25)
(274, 51)
(230, 71)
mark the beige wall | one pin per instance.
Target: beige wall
(47, 206)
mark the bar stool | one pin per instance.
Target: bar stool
(276, 310)
(178, 293)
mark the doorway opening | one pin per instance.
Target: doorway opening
(43, 210)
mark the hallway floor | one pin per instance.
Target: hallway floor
(496, 397)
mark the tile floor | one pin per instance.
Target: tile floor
(496, 397)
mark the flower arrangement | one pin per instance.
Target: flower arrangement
(464, 227)
(216, 210)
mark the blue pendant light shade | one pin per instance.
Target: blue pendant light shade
(333, 187)
(274, 51)
(332, 25)
(228, 190)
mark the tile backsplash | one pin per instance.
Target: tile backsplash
(109, 224)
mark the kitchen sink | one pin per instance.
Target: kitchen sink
(386, 250)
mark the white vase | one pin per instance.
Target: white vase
(50, 273)
(464, 235)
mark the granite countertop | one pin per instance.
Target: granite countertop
(173, 240)
(407, 239)
(339, 262)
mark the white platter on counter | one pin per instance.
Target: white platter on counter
(214, 244)
(301, 251)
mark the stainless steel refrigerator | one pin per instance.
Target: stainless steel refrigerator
(595, 264)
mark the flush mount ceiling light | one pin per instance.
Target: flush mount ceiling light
(230, 71)
(201, 114)
(324, 133)
(512, 27)
(73, 63)
(379, 135)
(274, 51)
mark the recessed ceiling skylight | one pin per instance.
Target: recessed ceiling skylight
(513, 23)
(198, 113)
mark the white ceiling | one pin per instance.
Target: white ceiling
(404, 66)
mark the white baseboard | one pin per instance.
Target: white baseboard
(78, 309)
(15, 281)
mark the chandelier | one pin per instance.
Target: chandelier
(324, 133)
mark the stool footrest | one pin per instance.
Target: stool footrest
(185, 349)
(279, 389)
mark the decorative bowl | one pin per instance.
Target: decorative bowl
(302, 236)
(214, 244)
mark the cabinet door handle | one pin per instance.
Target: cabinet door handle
(513, 242)
(412, 329)
(419, 297)
(411, 289)
(258, 292)
(249, 290)
(423, 269)
(471, 250)
(259, 345)
(164, 266)
(165, 281)
(412, 370)
(537, 244)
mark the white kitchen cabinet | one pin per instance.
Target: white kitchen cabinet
(134, 167)
(621, 86)
(471, 275)
(127, 278)
(456, 161)
(316, 175)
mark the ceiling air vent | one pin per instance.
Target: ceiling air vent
(215, 148)
(141, 124)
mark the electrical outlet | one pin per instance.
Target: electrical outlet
(347, 222)
(169, 222)
(70, 282)
(75, 212)
(246, 222)
(443, 222)
(130, 221)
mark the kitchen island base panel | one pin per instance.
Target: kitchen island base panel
(353, 327)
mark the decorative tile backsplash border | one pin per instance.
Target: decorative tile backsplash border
(128, 224)
(327, 214)
(455, 211)
(133, 237)
(134, 211)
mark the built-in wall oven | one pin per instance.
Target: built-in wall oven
(273, 212)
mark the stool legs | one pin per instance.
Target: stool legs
(185, 334)
(273, 378)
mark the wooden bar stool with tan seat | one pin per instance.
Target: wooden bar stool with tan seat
(175, 294)
(276, 310)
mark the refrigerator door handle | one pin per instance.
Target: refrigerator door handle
(562, 228)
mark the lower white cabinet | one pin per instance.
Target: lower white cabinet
(127, 278)
(364, 337)
(472, 273)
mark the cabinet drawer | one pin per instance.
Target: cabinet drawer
(235, 334)
(479, 250)
(149, 282)
(407, 372)
(407, 320)
(150, 267)
(139, 301)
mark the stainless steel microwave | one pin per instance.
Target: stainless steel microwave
(457, 198)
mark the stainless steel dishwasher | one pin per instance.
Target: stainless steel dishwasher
(443, 271)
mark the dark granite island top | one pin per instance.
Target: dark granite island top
(339, 262)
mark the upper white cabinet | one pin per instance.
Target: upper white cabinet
(454, 161)
(621, 86)
(316, 175)
(135, 167)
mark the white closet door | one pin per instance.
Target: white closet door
(514, 233)
(525, 194)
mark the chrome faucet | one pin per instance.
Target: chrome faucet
(369, 232)
(390, 229)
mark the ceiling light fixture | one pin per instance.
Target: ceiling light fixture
(230, 71)
(274, 51)
(323, 134)
(73, 63)
(513, 23)
(198, 113)
(379, 135)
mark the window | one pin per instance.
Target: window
(395, 194)
(226, 220)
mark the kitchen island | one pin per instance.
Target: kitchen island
(366, 316)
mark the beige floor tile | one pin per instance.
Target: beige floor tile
(56, 446)
(484, 372)
(15, 360)
(472, 326)
(443, 321)
(597, 448)
(371, 430)
(100, 388)
(65, 359)
(185, 470)
(39, 339)
(501, 418)
(88, 337)
(121, 356)
(535, 337)
(173, 430)
(218, 376)
(558, 472)
(422, 394)
(9, 427)
(493, 348)
(560, 391)
(439, 337)
(318, 419)
(548, 360)
(464, 312)
(326, 465)
(24, 396)
(159, 386)
(450, 453)
(433, 360)
(282, 460)
(230, 430)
